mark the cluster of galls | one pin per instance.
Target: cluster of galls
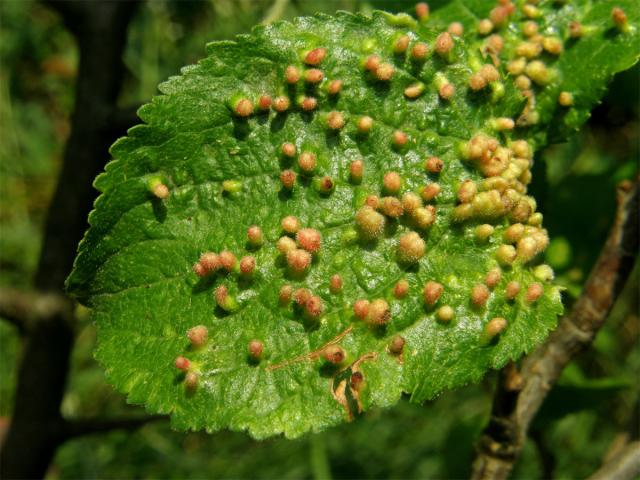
(528, 60)
(373, 216)
(298, 245)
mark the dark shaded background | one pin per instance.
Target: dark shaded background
(107, 58)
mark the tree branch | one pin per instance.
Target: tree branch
(519, 394)
(27, 309)
(100, 28)
(624, 466)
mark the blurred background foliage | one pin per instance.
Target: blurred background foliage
(596, 399)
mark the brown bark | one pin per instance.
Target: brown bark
(37, 428)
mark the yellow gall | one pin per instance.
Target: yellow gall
(313, 75)
(531, 11)
(160, 190)
(333, 354)
(522, 82)
(225, 301)
(264, 102)
(364, 124)
(411, 248)
(210, 261)
(506, 254)
(307, 162)
(444, 43)
(493, 277)
(411, 201)
(511, 290)
(483, 232)
(467, 191)
(227, 260)
(308, 104)
(288, 179)
(432, 292)
(371, 63)
(480, 294)
(619, 17)
(430, 191)
(291, 74)
(255, 349)
(401, 289)
(513, 233)
(396, 345)
(392, 182)
(391, 207)
(504, 123)
(495, 43)
(298, 260)
(302, 296)
(433, 165)
(384, 72)
(477, 82)
(334, 87)
(243, 107)
(534, 292)
(575, 29)
(247, 265)
(517, 66)
(288, 149)
(456, 29)
(445, 313)
(361, 309)
(198, 335)
(419, 51)
(530, 28)
(527, 248)
(370, 223)
(315, 56)
(553, 45)
(199, 270)
(401, 44)
(399, 138)
(285, 294)
(335, 284)
(309, 239)
(538, 72)
(191, 380)
(182, 363)
(462, 212)
(356, 171)
(424, 217)
(565, 99)
(335, 120)
(422, 11)
(414, 90)
(290, 224)
(521, 148)
(314, 307)
(446, 91)
(528, 49)
(499, 15)
(285, 244)
(543, 273)
(490, 73)
(494, 327)
(485, 26)
(379, 312)
(281, 104)
(372, 201)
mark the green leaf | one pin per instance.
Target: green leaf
(203, 169)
